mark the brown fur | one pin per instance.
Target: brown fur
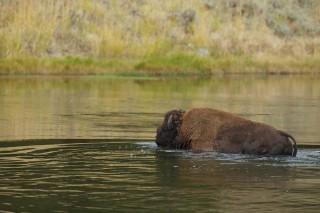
(208, 129)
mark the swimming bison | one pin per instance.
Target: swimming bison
(206, 129)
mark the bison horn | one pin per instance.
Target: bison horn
(294, 150)
(169, 123)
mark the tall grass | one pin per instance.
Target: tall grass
(103, 29)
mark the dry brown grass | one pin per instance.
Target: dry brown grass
(263, 30)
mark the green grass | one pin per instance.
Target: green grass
(130, 76)
(173, 64)
(178, 63)
(65, 66)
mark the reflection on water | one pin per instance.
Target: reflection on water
(86, 144)
(90, 175)
(42, 107)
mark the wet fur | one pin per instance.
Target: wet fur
(207, 129)
(166, 135)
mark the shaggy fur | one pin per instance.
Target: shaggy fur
(208, 129)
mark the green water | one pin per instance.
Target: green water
(86, 144)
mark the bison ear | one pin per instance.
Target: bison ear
(169, 123)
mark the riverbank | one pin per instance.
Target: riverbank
(175, 64)
(159, 37)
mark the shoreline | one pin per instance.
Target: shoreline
(173, 65)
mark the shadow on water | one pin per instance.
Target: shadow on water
(227, 180)
(102, 174)
(107, 174)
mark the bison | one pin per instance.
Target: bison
(207, 129)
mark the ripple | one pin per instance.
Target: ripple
(304, 158)
(99, 174)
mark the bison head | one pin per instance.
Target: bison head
(168, 130)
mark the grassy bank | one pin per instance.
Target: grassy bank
(159, 37)
(177, 64)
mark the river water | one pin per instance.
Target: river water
(86, 144)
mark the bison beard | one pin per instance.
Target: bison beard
(206, 129)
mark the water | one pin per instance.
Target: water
(86, 144)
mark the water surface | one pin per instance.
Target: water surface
(86, 144)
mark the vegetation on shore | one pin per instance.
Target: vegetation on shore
(159, 37)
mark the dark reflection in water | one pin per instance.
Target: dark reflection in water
(89, 175)
(82, 144)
